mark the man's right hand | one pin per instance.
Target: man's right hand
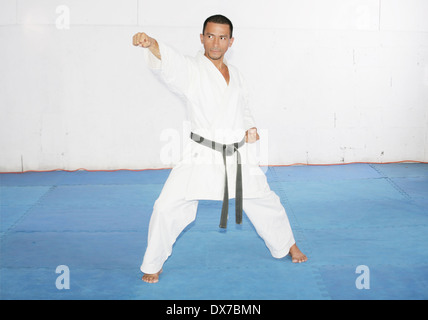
(142, 40)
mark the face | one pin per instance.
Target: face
(216, 40)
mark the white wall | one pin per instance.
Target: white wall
(333, 80)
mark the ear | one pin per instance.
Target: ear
(202, 38)
(231, 41)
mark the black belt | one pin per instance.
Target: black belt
(227, 150)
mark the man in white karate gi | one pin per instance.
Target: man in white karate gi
(218, 161)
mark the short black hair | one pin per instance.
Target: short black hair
(218, 18)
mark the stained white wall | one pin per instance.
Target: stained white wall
(333, 80)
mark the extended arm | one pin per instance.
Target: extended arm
(143, 40)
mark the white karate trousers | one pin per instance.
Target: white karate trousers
(172, 213)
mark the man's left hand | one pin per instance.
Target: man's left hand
(251, 135)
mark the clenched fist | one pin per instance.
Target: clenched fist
(142, 40)
(251, 135)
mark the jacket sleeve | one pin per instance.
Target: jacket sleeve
(174, 69)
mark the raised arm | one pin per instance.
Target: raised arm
(143, 40)
(175, 69)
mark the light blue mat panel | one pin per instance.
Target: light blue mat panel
(96, 223)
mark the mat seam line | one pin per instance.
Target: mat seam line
(22, 217)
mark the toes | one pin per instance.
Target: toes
(299, 259)
(150, 279)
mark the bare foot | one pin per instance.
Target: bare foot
(296, 255)
(152, 278)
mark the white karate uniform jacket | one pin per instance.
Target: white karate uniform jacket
(217, 111)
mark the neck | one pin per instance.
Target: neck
(217, 62)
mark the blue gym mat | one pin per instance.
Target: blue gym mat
(95, 223)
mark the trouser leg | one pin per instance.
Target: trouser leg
(171, 214)
(270, 220)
